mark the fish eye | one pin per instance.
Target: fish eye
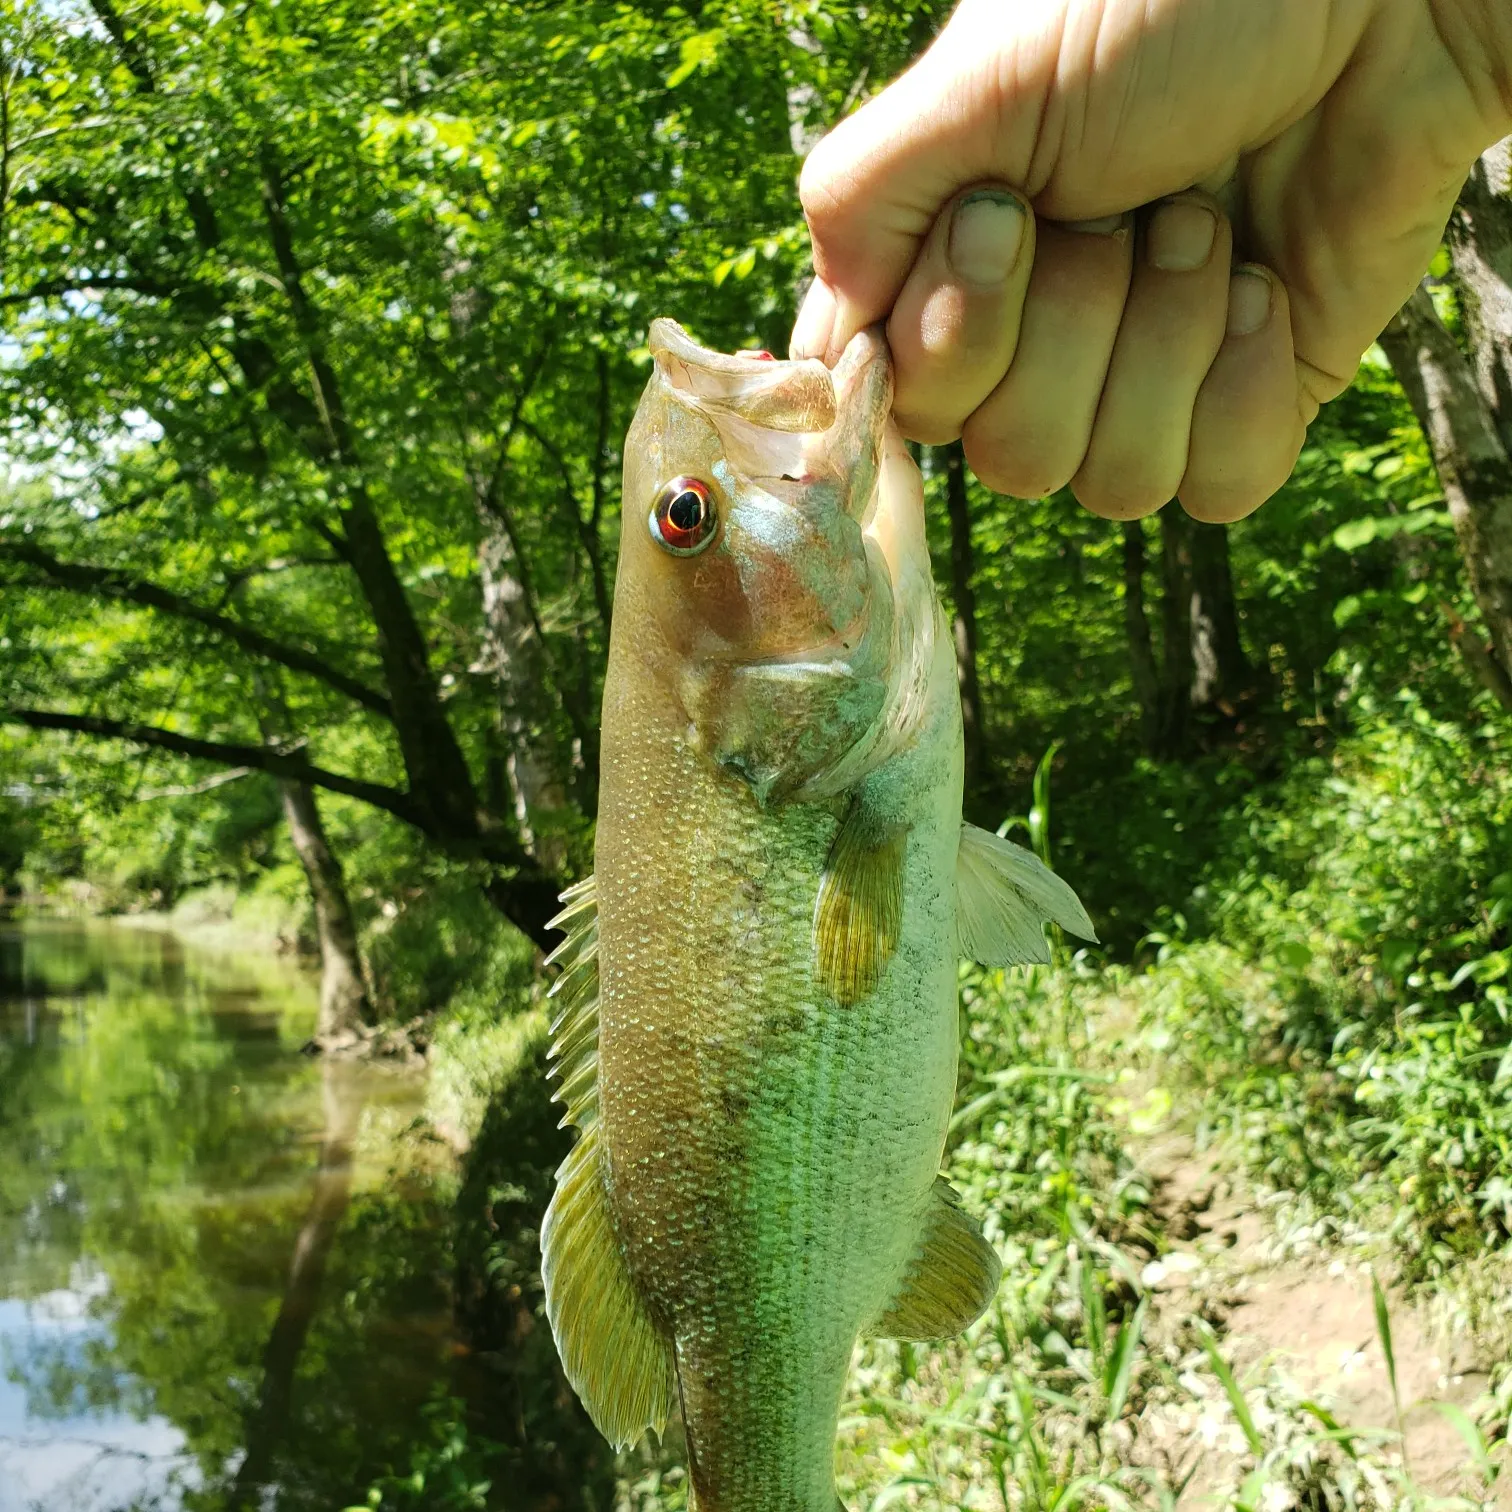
(683, 520)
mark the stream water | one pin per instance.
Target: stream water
(215, 1292)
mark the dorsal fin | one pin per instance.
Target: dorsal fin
(617, 1360)
(574, 996)
(1005, 895)
(952, 1278)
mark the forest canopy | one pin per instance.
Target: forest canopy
(323, 328)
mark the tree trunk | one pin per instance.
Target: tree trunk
(268, 1423)
(512, 656)
(1464, 405)
(1177, 665)
(344, 1002)
(1137, 627)
(433, 760)
(962, 573)
(1474, 468)
(1480, 247)
(1221, 672)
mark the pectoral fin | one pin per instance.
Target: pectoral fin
(1005, 895)
(950, 1281)
(859, 912)
(618, 1361)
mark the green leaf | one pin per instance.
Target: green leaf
(1120, 1373)
(1231, 1390)
(1475, 1440)
(1383, 1329)
(698, 51)
(1355, 534)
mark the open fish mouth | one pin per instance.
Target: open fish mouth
(795, 424)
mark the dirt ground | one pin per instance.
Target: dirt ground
(1310, 1321)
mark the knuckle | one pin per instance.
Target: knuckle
(819, 185)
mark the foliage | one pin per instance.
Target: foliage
(320, 326)
(1351, 1016)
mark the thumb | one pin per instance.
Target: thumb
(1088, 108)
(872, 189)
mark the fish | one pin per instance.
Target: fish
(755, 1024)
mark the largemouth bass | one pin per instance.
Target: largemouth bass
(757, 1034)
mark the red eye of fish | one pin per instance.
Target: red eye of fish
(683, 519)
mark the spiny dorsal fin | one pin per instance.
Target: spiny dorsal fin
(1005, 896)
(617, 1360)
(573, 1055)
(859, 912)
(950, 1281)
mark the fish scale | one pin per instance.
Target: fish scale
(761, 1054)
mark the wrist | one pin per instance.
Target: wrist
(1477, 35)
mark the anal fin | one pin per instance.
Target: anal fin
(952, 1278)
(618, 1361)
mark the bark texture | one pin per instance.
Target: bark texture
(1202, 668)
(344, 1002)
(1221, 672)
(1463, 400)
(1177, 663)
(1137, 627)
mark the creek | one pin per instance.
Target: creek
(225, 1276)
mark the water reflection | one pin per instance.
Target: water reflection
(215, 1293)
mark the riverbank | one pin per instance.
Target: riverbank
(283, 1272)
(215, 918)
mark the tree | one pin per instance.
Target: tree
(368, 289)
(1202, 671)
(952, 461)
(1460, 388)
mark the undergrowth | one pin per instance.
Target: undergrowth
(1331, 1014)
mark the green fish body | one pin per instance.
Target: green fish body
(758, 1036)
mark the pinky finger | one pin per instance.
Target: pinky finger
(1248, 423)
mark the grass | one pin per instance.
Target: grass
(1084, 1387)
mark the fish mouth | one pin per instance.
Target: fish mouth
(788, 424)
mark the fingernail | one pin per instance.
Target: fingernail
(816, 319)
(986, 233)
(1108, 225)
(1249, 304)
(1180, 237)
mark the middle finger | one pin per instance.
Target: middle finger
(1172, 328)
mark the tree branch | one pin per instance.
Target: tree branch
(433, 758)
(587, 529)
(195, 789)
(53, 288)
(523, 891)
(111, 582)
(280, 762)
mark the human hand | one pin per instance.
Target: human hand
(1128, 336)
